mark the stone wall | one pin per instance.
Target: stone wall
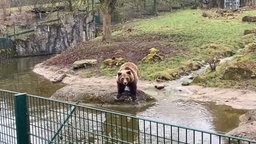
(57, 37)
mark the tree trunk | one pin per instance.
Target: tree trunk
(70, 5)
(106, 27)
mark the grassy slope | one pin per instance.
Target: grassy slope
(183, 37)
(189, 31)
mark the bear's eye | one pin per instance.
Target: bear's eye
(119, 73)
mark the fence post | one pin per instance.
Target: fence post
(22, 119)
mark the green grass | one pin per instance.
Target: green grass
(195, 29)
(190, 33)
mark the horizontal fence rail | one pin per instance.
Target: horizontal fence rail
(54, 122)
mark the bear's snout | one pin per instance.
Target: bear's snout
(125, 83)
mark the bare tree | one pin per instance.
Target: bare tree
(107, 7)
(213, 63)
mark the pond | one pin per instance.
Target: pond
(17, 75)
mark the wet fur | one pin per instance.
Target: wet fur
(130, 71)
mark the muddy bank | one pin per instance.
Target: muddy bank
(238, 99)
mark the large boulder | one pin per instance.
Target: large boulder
(101, 95)
(84, 63)
(249, 19)
(237, 73)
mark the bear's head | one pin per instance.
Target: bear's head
(125, 77)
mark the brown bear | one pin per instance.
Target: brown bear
(127, 76)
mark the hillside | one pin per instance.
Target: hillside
(185, 40)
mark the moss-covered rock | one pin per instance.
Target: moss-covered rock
(110, 62)
(249, 38)
(152, 56)
(100, 94)
(249, 19)
(237, 73)
(191, 65)
(169, 74)
(251, 31)
(217, 50)
(251, 47)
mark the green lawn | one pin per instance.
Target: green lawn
(197, 30)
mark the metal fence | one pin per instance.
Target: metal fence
(33, 119)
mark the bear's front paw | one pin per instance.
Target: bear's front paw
(118, 96)
(134, 99)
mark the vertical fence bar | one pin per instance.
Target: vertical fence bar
(22, 119)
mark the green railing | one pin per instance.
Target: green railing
(33, 119)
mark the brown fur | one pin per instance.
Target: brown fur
(127, 76)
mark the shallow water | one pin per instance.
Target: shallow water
(173, 108)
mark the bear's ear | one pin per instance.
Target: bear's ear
(119, 73)
(128, 72)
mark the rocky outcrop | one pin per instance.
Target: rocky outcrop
(54, 38)
(101, 95)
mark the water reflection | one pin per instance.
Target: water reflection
(16, 75)
(225, 118)
(120, 128)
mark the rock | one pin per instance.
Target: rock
(59, 78)
(236, 73)
(195, 65)
(252, 31)
(84, 63)
(159, 87)
(110, 62)
(52, 38)
(152, 56)
(101, 95)
(249, 19)
(185, 83)
(191, 77)
(253, 76)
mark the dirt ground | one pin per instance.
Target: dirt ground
(131, 49)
